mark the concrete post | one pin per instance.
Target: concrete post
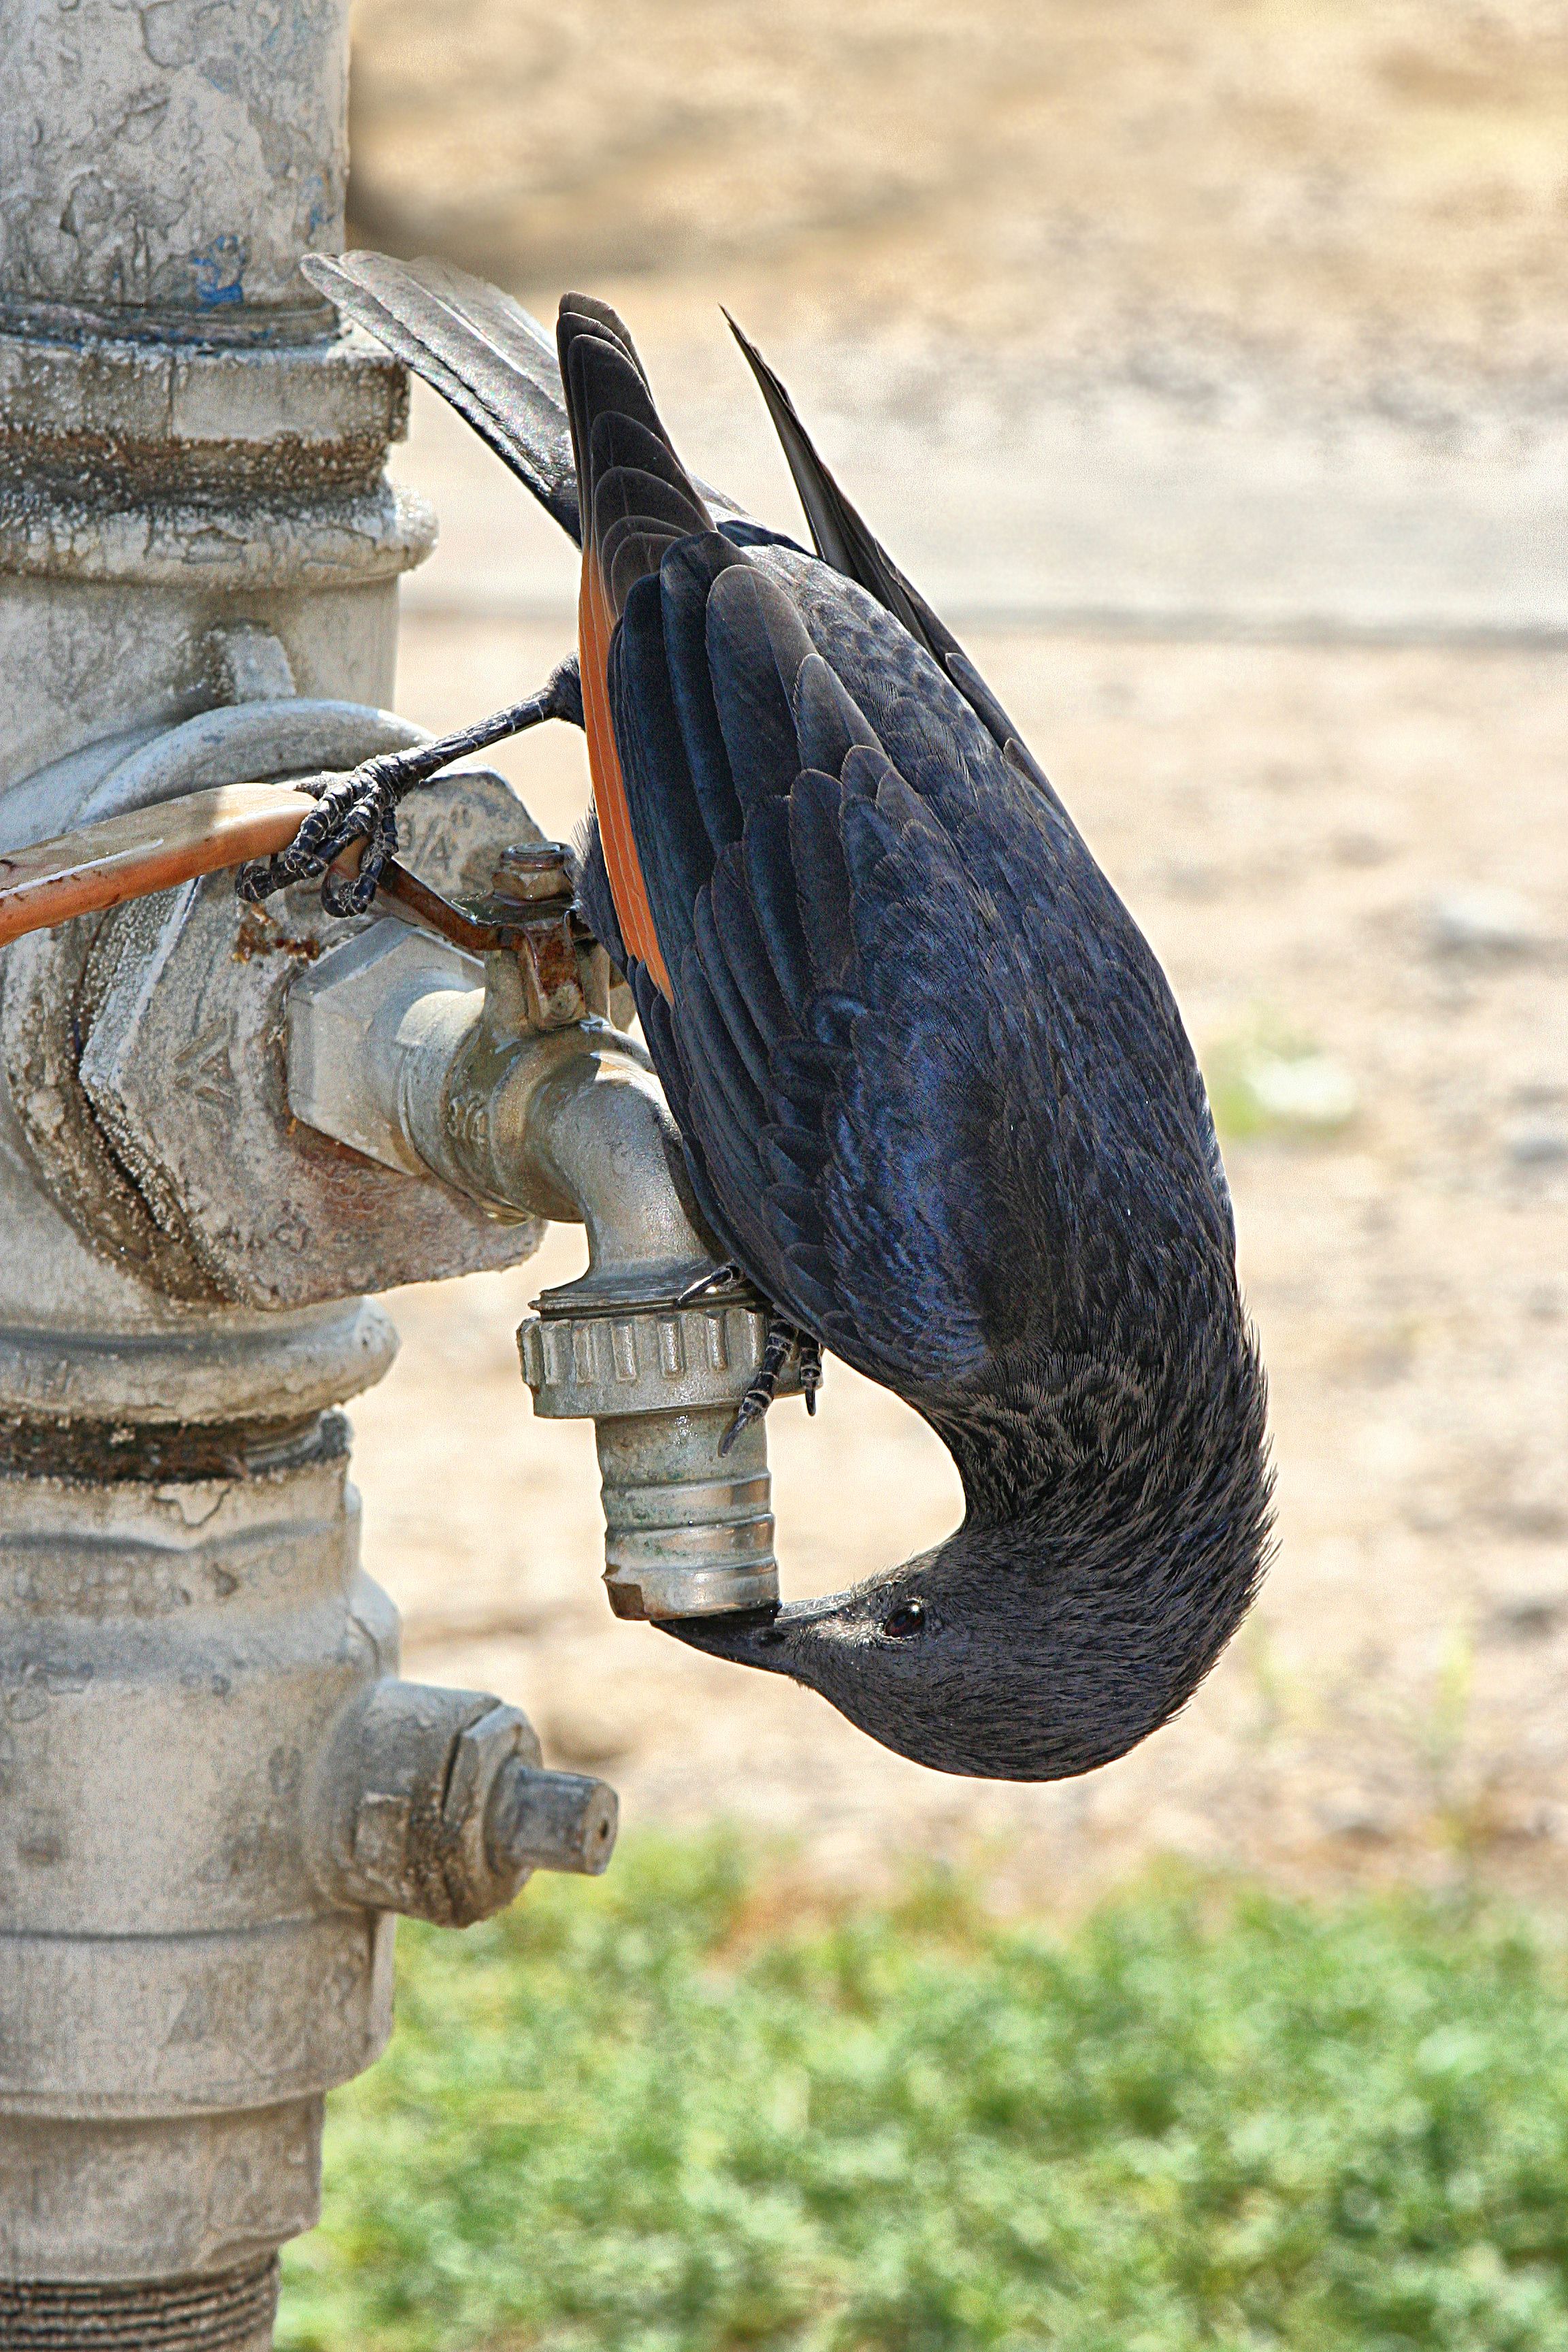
(199, 553)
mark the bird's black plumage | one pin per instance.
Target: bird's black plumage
(934, 1092)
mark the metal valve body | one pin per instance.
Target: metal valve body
(214, 1793)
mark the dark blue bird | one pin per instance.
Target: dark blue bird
(935, 1094)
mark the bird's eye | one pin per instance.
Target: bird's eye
(908, 1618)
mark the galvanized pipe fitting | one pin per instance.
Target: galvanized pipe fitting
(433, 1803)
(689, 1531)
(176, 1994)
(389, 1051)
(216, 1792)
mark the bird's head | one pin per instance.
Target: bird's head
(1052, 1631)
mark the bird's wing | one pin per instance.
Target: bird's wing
(909, 1016)
(890, 995)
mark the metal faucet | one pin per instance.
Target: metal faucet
(506, 1080)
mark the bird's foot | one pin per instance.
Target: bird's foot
(810, 1361)
(360, 805)
(783, 1340)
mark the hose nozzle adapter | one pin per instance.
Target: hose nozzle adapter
(393, 1050)
(689, 1532)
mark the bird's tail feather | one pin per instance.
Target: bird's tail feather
(635, 495)
(479, 349)
(482, 351)
(841, 539)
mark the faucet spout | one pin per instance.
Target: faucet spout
(411, 1051)
(572, 1124)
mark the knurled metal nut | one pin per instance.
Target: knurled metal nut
(654, 1360)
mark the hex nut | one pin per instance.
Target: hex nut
(529, 871)
(482, 1750)
(346, 1034)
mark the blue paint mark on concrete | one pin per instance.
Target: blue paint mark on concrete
(220, 271)
(320, 210)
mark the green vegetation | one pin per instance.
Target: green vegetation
(1267, 1081)
(680, 2111)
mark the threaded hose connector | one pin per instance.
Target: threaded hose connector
(221, 2311)
(689, 1532)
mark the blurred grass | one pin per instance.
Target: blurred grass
(1267, 1081)
(687, 2109)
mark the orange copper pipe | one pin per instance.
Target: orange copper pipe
(148, 849)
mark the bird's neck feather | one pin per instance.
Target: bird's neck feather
(1065, 1450)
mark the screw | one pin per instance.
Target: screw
(532, 870)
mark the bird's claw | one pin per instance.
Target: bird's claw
(783, 1340)
(360, 805)
(809, 1357)
(718, 1278)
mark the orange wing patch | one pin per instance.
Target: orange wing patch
(595, 626)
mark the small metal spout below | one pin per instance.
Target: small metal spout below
(689, 1532)
(549, 1821)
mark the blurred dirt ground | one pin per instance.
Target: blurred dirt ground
(1234, 313)
(1352, 186)
(1351, 857)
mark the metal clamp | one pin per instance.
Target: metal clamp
(530, 912)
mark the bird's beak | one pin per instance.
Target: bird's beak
(752, 1637)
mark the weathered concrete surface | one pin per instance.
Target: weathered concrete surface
(165, 166)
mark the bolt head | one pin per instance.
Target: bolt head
(529, 871)
(476, 1887)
